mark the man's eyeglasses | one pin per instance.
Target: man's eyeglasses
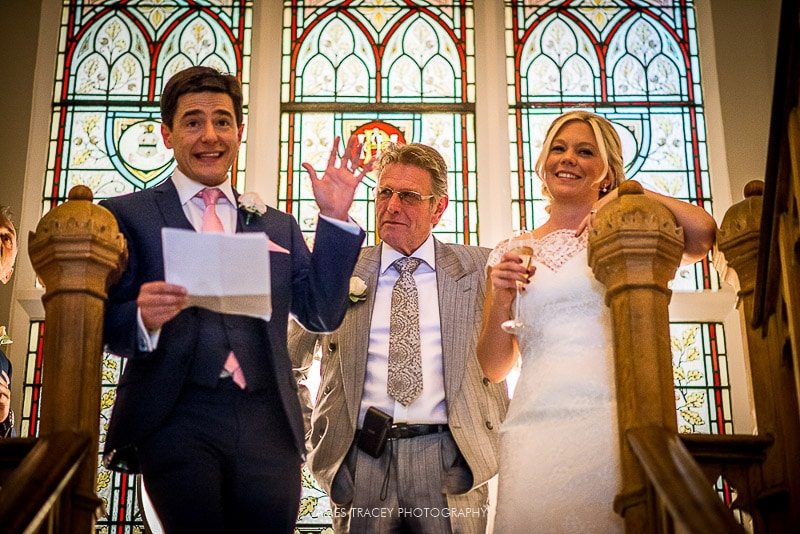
(409, 198)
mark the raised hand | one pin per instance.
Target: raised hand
(334, 191)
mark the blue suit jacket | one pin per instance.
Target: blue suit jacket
(5, 365)
(311, 286)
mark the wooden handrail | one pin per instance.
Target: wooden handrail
(32, 490)
(679, 483)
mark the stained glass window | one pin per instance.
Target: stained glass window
(113, 60)
(390, 71)
(702, 389)
(700, 370)
(32, 382)
(634, 62)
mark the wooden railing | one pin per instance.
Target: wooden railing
(37, 494)
(678, 489)
(635, 248)
(759, 244)
(76, 251)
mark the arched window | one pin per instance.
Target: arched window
(393, 71)
(636, 64)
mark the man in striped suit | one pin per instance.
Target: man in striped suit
(432, 474)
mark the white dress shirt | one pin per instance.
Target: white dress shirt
(430, 407)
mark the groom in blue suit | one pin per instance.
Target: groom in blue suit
(207, 406)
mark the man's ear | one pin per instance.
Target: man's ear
(166, 134)
(7, 276)
(438, 211)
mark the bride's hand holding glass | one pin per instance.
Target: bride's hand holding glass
(510, 276)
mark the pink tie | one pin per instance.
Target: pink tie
(232, 367)
(212, 223)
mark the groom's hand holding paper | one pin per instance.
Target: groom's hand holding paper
(225, 273)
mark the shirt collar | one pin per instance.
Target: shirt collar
(426, 252)
(188, 188)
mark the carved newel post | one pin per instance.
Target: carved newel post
(771, 380)
(635, 248)
(76, 250)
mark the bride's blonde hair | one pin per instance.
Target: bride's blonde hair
(607, 140)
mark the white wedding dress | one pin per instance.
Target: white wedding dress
(559, 454)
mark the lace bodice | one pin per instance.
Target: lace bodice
(552, 250)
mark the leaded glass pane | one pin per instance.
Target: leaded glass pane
(112, 150)
(336, 62)
(113, 62)
(32, 382)
(366, 51)
(407, 64)
(313, 137)
(422, 64)
(118, 491)
(634, 64)
(700, 368)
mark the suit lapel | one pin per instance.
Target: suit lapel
(355, 331)
(454, 292)
(256, 224)
(170, 205)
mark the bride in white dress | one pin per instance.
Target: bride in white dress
(559, 445)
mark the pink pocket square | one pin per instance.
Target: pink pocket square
(274, 247)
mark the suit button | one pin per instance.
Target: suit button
(485, 381)
(489, 425)
(331, 347)
(328, 389)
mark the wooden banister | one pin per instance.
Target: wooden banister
(772, 386)
(36, 490)
(76, 250)
(684, 495)
(635, 248)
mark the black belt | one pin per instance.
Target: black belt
(403, 430)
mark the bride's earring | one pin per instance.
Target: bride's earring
(604, 189)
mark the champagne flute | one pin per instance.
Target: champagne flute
(514, 325)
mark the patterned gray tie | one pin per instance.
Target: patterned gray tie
(405, 362)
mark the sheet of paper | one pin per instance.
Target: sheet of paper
(226, 273)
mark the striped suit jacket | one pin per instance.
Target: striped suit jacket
(475, 406)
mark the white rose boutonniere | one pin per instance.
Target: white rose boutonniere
(252, 204)
(358, 289)
(4, 338)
